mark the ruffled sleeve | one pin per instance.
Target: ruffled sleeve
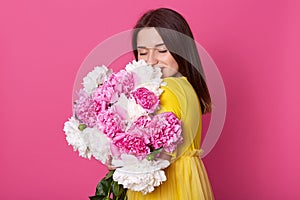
(169, 102)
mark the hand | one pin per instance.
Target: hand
(109, 164)
(165, 156)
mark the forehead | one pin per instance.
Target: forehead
(148, 37)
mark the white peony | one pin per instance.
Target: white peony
(96, 77)
(139, 175)
(131, 66)
(128, 109)
(98, 143)
(153, 87)
(134, 110)
(75, 138)
(146, 76)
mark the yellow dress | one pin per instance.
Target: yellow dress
(186, 176)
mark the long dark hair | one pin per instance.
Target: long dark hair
(182, 49)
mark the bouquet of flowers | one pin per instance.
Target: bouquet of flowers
(116, 116)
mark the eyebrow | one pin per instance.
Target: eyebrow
(157, 45)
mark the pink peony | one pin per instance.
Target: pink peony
(140, 128)
(131, 145)
(142, 121)
(110, 123)
(145, 98)
(166, 131)
(85, 109)
(103, 96)
(109, 92)
(125, 82)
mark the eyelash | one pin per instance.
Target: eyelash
(161, 51)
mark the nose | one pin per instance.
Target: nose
(152, 57)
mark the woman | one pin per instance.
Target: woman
(163, 38)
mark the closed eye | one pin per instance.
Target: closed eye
(163, 51)
(142, 54)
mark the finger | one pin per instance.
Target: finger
(111, 167)
(109, 159)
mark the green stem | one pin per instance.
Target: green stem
(108, 193)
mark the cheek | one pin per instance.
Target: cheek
(140, 57)
(172, 63)
(168, 58)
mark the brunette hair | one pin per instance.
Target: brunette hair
(174, 29)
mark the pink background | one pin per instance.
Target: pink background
(254, 44)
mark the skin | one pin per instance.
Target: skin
(152, 49)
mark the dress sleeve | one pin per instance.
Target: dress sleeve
(169, 103)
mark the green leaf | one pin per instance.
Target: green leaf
(116, 189)
(151, 156)
(156, 151)
(103, 187)
(97, 197)
(109, 174)
(81, 127)
(108, 186)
